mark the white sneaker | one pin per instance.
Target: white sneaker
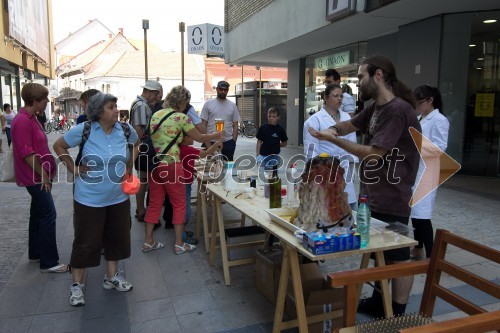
(117, 282)
(76, 297)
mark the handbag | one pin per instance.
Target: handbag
(147, 160)
(7, 173)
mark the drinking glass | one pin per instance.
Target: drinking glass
(219, 125)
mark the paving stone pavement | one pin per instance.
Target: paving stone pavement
(184, 293)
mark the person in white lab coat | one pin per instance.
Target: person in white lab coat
(328, 116)
(435, 127)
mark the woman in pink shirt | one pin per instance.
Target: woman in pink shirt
(35, 167)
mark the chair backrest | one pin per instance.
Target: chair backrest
(433, 267)
(438, 264)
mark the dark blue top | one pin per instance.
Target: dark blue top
(271, 137)
(81, 118)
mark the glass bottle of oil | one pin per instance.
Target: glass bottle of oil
(275, 189)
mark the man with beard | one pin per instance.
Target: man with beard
(389, 160)
(222, 108)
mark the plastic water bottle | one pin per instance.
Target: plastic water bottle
(268, 174)
(363, 221)
(291, 185)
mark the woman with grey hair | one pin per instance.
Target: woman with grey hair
(167, 128)
(101, 208)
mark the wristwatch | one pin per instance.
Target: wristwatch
(335, 128)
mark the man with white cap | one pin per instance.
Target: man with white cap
(222, 108)
(140, 114)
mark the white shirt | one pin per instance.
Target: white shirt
(193, 115)
(313, 147)
(348, 104)
(435, 127)
(220, 108)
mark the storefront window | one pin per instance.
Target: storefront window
(471, 97)
(6, 91)
(345, 60)
(482, 118)
(8, 83)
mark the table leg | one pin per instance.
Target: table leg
(384, 285)
(365, 259)
(280, 300)
(199, 211)
(297, 287)
(222, 239)
(213, 234)
(243, 220)
(203, 199)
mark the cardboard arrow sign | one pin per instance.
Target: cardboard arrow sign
(439, 166)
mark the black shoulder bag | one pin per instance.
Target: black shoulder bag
(147, 159)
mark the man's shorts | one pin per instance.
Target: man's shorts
(401, 254)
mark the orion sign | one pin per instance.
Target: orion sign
(205, 39)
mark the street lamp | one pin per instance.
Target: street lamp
(145, 26)
(182, 28)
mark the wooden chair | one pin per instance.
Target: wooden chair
(479, 320)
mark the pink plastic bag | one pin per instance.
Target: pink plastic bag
(131, 184)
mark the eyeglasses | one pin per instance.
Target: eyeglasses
(223, 89)
(422, 101)
(335, 95)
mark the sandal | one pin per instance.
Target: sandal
(61, 268)
(184, 248)
(417, 253)
(192, 241)
(156, 246)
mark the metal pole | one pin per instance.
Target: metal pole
(182, 28)
(260, 95)
(242, 93)
(145, 26)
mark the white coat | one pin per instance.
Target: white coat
(435, 127)
(313, 147)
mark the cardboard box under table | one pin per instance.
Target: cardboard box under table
(319, 300)
(325, 302)
(267, 272)
(250, 238)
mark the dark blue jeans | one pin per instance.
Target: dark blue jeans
(228, 148)
(42, 228)
(9, 138)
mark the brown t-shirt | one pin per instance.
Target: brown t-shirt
(389, 182)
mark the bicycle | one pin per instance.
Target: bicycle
(247, 128)
(50, 125)
(57, 126)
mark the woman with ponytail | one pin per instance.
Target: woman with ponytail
(435, 128)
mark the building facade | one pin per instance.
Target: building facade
(450, 44)
(27, 53)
